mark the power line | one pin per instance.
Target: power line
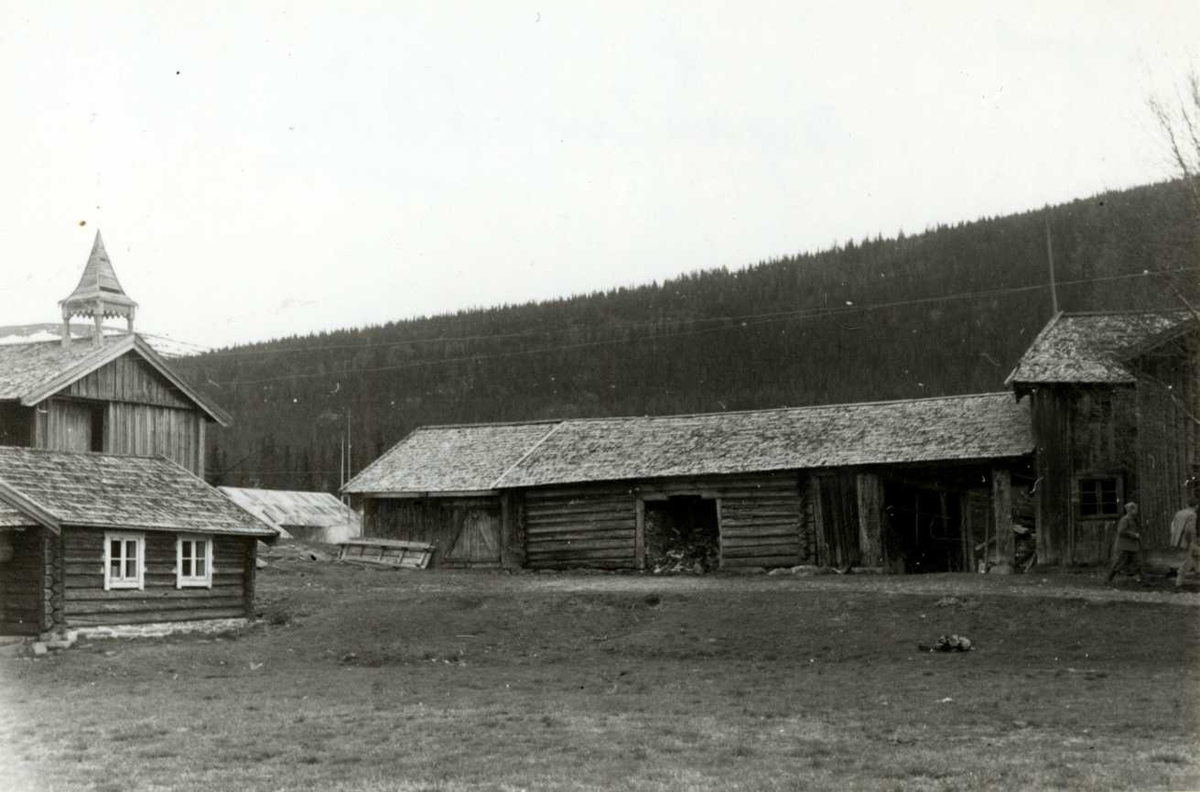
(743, 321)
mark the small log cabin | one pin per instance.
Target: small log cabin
(908, 486)
(90, 539)
(1115, 400)
(104, 515)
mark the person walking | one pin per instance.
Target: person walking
(1129, 544)
(1191, 547)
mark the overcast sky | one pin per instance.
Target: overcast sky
(261, 170)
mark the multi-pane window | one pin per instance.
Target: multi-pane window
(1100, 496)
(193, 561)
(124, 560)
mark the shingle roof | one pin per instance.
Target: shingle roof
(975, 427)
(450, 458)
(1090, 347)
(280, 508)
(14, 518)
(113, 491)
(26, 367)
(33, 372)
(99, 282)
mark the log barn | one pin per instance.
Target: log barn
(908, 486)
(105, 518)
(1114, 402)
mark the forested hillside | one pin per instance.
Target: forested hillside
(942, 312)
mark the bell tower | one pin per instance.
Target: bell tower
(99, 295)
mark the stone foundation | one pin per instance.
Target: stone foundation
(160, 629)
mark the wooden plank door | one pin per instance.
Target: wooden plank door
(477, 540)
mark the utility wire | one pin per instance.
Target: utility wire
(742, 321)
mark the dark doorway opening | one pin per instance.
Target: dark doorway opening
(97, 425)
(924, 529)
(682, 534)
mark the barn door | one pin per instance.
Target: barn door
(839, 519)
(477, 538)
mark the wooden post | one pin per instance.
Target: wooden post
(814, 484)
(639, 535)
(248, 575)
(1002, 509)
(870, 522)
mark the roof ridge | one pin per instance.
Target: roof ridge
(763, 410)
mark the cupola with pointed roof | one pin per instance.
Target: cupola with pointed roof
(99, 296)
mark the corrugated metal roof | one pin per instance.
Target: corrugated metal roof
(450, 458)
(1090, 347)
(281, 508)
(975, 427)
(114, 491)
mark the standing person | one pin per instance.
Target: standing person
(1191, 547)
(1179, 520)
(1129, 544)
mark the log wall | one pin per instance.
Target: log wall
(86, 603)
(761, 518)
(588, 526)
(21, 581)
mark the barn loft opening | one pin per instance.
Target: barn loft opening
(682, 535)
(924, 529)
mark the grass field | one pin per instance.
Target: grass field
(359, 679)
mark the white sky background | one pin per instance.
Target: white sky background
(278, 169)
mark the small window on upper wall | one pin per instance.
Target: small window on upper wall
(1100, 497)
(193, 561)
(124, 561)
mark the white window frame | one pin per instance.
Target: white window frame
(193, 580)
(123, 582)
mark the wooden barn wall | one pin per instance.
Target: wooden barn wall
(22, 567)
(762, 521)
(64, 425)
(128, 379)
(86, 603)
(1164, 431)
(1081, 431)
(16, 424)
(593, 525)
(438, 521)
(147, 430)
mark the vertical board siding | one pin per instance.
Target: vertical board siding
(21, 582)
(146, 430)
(1162, 445)
(86, 603)
(1052, 431)
(68, 425)
(439, 522)
(129, 379)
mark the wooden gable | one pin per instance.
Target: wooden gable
(129, 378)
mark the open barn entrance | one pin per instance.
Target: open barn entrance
(924, 529)
(682, 534)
